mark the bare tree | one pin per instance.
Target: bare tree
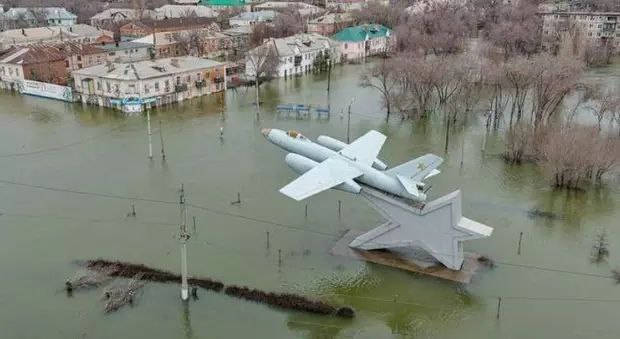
(518, 30)
(263, 62)
(606, 103)
(554, 78)
(383, 78)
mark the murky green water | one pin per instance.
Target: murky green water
(43, 231)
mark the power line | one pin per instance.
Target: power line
(56, 148)
(269, 222)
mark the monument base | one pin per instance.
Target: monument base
(408, 260)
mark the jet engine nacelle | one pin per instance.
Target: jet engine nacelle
(301, 165)
(336, 145)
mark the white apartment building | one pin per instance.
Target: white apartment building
(596, 27)
(132, 87)
(296, 54)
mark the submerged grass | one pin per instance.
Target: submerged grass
(287, 301)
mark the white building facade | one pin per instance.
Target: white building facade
(596, 27)
(296, 54)
(132, 87)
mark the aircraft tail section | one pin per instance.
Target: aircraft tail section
(418, 169)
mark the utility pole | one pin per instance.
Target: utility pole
(349, 123)
(150, 134)
(184, 236)
(161, 137)
(329, 83)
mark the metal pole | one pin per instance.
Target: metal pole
(306, 210)
(349, 123)
(267, 239)
(150, 134)
(499, 306)
(519, 248)
(279, 257)
(161, 137)
(184, 237)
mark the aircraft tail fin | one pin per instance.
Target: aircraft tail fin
(418, 169)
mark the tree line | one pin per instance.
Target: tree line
(456, 59)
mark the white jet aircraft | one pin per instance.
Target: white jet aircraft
(331, 163)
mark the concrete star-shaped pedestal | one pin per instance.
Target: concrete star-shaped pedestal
(438, 227)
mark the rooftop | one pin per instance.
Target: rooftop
(331, 18)
(299, 43)
(256, 16)
(122, 13)
(122, 45)
(166, 38)
(362, 33)
(35, 34)
(46, 52)
(183, 11)
(172, 23)
(148, 68)
(224, 3)
(27, 13)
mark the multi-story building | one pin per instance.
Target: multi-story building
(126, 51)
(21, 17)
(117, 15)
(598, 28)
(79, 33)
(226, 4)
(252, 18)
(330, 23)
(296, 54)
(132, 87)
(240, 39)
(305, 10)
(344, 5)
(205, 42)
(359, 42)
(142, 28)
(184, 11)
(45, 62)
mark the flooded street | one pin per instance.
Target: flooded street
(70, 173)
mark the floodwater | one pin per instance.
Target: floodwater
(69, 174)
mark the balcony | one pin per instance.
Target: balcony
(201, 83)
(180, 88)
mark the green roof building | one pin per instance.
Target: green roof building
(361, 41)
(222, 3)
(362, 33)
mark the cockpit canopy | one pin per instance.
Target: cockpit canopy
(295, 135)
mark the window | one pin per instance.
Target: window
(79, 58)
(99, 85)
(167, 84)
(112, 53)
(189, 78)
(146, 88)
(178, 80)
(346, 46)
(67, 63)
(198, 76)
(157, 86)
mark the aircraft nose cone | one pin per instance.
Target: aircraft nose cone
(265, 132)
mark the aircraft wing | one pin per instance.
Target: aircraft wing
(366, 148)
(331, 172)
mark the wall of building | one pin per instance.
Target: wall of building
(54, 72)
(127, 55)
(158, 90)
